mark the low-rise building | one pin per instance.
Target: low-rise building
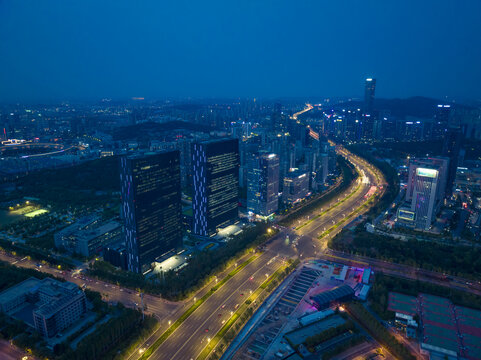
(88, 236)
(48, 305)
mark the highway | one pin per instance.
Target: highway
(192, 336)
(306, 240)
(194, 333)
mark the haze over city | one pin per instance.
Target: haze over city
(240, 180)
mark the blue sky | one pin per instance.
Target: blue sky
(54, 50)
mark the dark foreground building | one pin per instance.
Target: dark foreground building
(216, 185)
(151, 193)
(336, 295)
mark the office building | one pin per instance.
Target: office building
(369, 118)
(88, 236)
(369, 92)
(441, 121)
(296, 187)
(116, 254)
(48, 305)
(425, 192)
(263, 184)
(215, 185)
(451, 148)
(151, 208)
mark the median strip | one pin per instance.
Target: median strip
(327, 210)
(194, 307)
(242, 309)
(332, 228)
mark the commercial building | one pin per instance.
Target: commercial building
(151, 207)
(334, 296)
(425, 192)
(451, 148)
(445, 330)
(369, 116)
(116, 254)
(296, 187)
(88, 236)
(48, 305)
(263, 184)
(215, 185)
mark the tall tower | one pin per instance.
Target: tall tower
(369, 116)
(369, 92)
(151, 207)
(452, 145)
(263, 184)
(425, 189)
(216, 184)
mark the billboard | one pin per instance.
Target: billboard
(406, 215)
(431, 173)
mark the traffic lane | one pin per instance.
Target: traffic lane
(11, 352)
(214, 302)
(108, 291)
(406, 272)
(182, 307)
(192, 348)
(323, 223)
(196, 323)
(345, 206)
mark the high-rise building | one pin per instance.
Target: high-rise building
(441, 121)
(216, 185)
(296, 187)
(451, 148)
(151, 194)
(369, 92)
(263, 184)
(425, 191)
(369, 118)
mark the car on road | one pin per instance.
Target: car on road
(206, 330)
(219, 315)
(223, 306)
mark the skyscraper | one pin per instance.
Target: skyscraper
(441, 121)
(296, 187)
(451, 147)
(425, 191)
(369, 92)
(216, 184)
(369, 117)
(263, 184)
(150, 191)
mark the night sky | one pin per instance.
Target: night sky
(56, 50)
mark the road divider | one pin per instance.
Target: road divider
(329, 209)
(194, 307)
(245, 308)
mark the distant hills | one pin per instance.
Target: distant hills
(417, 106)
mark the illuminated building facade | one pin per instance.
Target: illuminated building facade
(151, 193)
(425, 191)
(215, 185)
(296, 187)
(263, 184)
